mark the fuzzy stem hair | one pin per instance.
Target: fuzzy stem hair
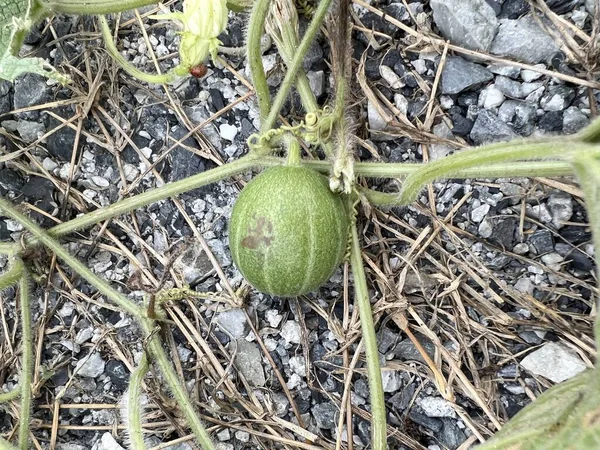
(27, 359)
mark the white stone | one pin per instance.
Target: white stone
(273, 317)
(490, 97)
(532, 75)
(479, 213)
(228, 132)
(391, 77)
(391, 379)
(437, 407)
(554, 361)
(224, 435)
(401, 103)
(291, 332)
(91, 366)
(107, 442)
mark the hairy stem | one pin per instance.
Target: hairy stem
(5, 445)
(12, 275)
(484, 156)
(591, 133)
(155, 195)
(10, 395)
(587, 168)
(92, 7)
(366, 169)
(27, 360)
(256, 29)
(378, 424)
(126, 305)
(126, 65)
(183, 401)
(42, 236)
(134, 410)
(401, 170)
(296, 64)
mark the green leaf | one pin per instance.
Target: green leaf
(11, 67)
(565, 417)
(16, 19)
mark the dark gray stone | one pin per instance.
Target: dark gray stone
(489, 128)
(574, 120)
(459, 75)
(524, 119)
(10, 181)
(542, 242)
(387, 340)
(580, 260)
(60, 143)
(451, 436)
(5, 97)
(407, 351)
(505, 71)
(402, 399)
(31, 90)
(118, 374)
(551, 121)
(325, 415)
(562, 6)
(513, 9)
(504, 232)
(430, 423)
(462, 126)
(469, 23)
(523, 40)
(184, 163)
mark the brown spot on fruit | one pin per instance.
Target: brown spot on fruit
(260, 234)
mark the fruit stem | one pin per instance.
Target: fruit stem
(293, 156)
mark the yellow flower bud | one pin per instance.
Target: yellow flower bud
(202, 21)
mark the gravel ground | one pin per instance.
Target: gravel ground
(482, 290)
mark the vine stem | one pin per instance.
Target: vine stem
(111, 48)
(12, 275)
(587, 168)
(10, 395)
(296, 63)
(128, 306)
(133, 407)
(155, 195)
(365, 169)
(378, 424)
(256, 27)
(93, 7)
(5, 445)
(27, 358)
(485, 156)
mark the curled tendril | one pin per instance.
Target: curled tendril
(315, 129)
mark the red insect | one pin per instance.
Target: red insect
(199, 71)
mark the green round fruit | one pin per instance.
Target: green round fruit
(288, 231)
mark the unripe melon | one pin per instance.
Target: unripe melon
(288, 231)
